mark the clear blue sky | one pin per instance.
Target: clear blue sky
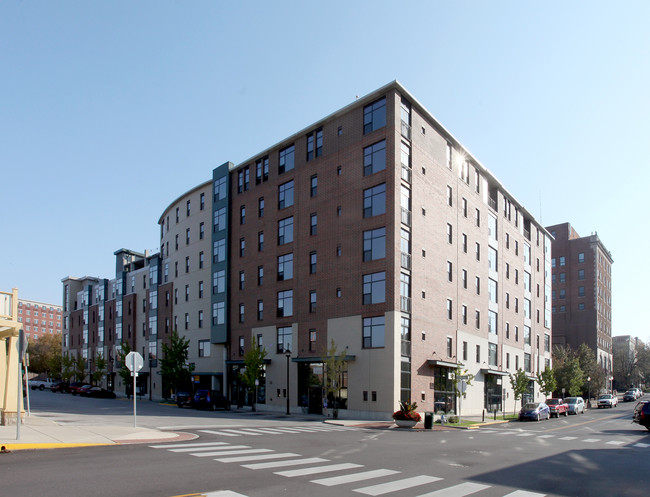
(110, 110)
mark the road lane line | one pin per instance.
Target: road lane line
(366, 475)
(394, 486)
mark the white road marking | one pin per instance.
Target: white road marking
(615, 442)
(222, 433)
(568, 438)
(262, 457)
(642, 445)
(219, 445)
(366, 475)
(524, 493)
(195, 444)
(230, 452)
(394, 486)
(281, 464)
(317, 469)
(457, 490)
(591, 440)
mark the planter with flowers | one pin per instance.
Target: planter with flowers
(406, 417)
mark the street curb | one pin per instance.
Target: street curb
(31, 446)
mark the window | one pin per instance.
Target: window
(242, 344)
(201, 231)
(284, 339)
(260, 241)
(373, 332)
(581, 275)
(478, 285)
(200, 319)
(547, 343)
(527, 363)
(507, 300)
(374, 201)
(242, 247)
(241, 313)
(581, 291)
(312, 339)
(285, 267)
(464, 243)
(313, 188)
(260, 207)
(374, 116)
(450, 347)
(492, 227)
(200, 289)
(450, 196)
(219, 250)
(507, 271)
(450, 155)
(478, 353)
(492, 354)
(526, 335)
(478, 218)
(527, 281)
(313, 258)
(562, 260)
(493, 259)
(314, 144)
(508, 331)
(478, 319)
(581, 306)
(563, 277)
(581, 257)
(478, 251)
(516, 304)
(187, 321)
(187, 293)
(242, 279)
(374, 244)
(286, 162)
(204, 348)
(450, 269)
(285, 303)
(261, 170)
(313, 224)
(219, 281)
(285, 231)
(563, 293)
(464, 314)
(220, 219)
(464, 207)
(220, 189)
(260, 275)
(374, 158)
(242, 214)
(493, 291)
(260, 310)
(374, 288)
(493, 322)
(450, 233)
(187, 264)
(312, 301)
(464, 273)
(285, 195)
(449, 309)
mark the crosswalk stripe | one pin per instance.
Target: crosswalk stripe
(524, 493)
(286, 430)
(486, 431)
(257, 458)
(209, 447)
(354, 477)
(241, 432)
(282, 464)
(222, 433)
(505, 432)
(615, 442)
(546, 436)
(223, 493)
(568, 438)
(591, 440)
(526, 434)
(394, 486)
(314, 470)
(642, 445)
(196, 444)
(457, 490)
(303, 430)
(230, 452)
(271, 431)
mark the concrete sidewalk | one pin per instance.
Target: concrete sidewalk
(42, 433)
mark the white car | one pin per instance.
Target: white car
(607, 400)
(639, 392)
(576, 405)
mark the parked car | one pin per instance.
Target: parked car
(557, 407)
(41, 383)
(210, 399)
(535, 410)
(98, 393)
(630, 396)
(641, 414)
(183, 399)
(639, 392)
(607, 400)
(79, 389)
(576, 405)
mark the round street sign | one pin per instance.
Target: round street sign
(134, 362)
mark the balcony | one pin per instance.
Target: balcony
(405, 304)
(492, 203)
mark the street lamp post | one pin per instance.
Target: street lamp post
(611, 385)
(288, 354)
(589, 391)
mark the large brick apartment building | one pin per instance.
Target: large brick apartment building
(39, 318)
(374, 228)
(582, 292)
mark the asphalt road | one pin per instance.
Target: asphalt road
(597, 454)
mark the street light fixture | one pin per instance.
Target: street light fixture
(589, 391)
(288, 354)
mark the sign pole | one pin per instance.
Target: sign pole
(135, 374)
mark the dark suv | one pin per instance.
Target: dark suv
(642, 414)
(210, 399)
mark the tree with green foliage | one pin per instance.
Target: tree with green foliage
(547, 382)
(173, 365)
(254, 365)
(45, 354)
(598, 377)
(100, 369)
(568, 373)
(67, 368)
(519, 383)
(458, 376)
(80, 365)
(335, 366)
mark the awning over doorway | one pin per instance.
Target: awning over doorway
(495, 372)
(442, 364)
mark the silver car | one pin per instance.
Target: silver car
(576, 405)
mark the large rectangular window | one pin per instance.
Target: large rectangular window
(286, 159)
(493, 259)
(204, 348)
(374, 288)
(493, 321)
(373, 332)
(374, 200)
(285, 231)
(314, 144)
(493, 288)
(285, 195)
(374, 158)
(284, 339)
(374, 116)
(492, 354)
(374, 244)
(285, 303)
(220, 219)
(285, 267)
(220, 189)
(219, 250)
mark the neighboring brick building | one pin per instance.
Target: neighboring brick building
(39, 318)
(582, 292)
(374, 228)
